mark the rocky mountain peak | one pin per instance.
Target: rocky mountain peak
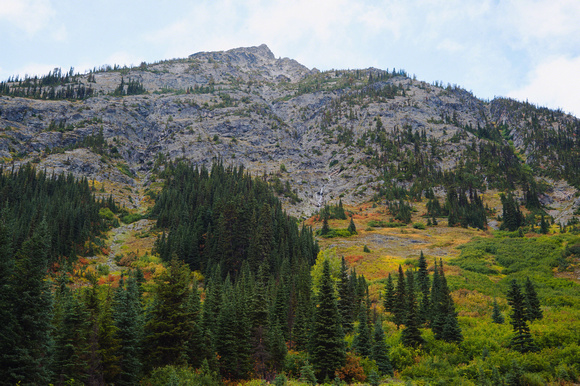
(237, 56)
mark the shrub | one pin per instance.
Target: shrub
(419, 225)
(131, 218)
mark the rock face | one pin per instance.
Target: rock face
(245, 106)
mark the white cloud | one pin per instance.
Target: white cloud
(545, 19)
(30, 16)
(554, 84)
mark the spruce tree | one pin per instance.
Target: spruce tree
(197, 351)
(389, 294)
(522, 341)
(8, 327)
(411, 335)
(302, 323)
(345, 298)
(424, 287)
(533, 310)
(71, 345)
(226, 343)
(380, 351)
(327, 346)
(400, 303)
(128, 319)
(325, 227)
(277, 346)
(109, 343)
(496, 315)
(451, 330)
(169, 328)
(362, 339)
(33, 311)
(352, 227)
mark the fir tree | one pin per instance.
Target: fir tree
(411, 335)
(345, 298)
(522, 341)
(533, 310)
(496, 315)
(544, 226)
(451, 330)
(128, 318)
(380, 351)
(109, 343)
(352, 227)
(424, 287)
(362, 339)
(325, 227)
(33, 311)
(8, 327)
(71, 345)
(327, 340)
(169, 327)
(389, 294)
(400, 303)
(302, 323)
(277, 346)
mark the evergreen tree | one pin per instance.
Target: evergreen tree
(522, 341)
(71, 345)
(400, 303)
(362, 339)
(496, 315)
(352, 227)
(533, 310)
(544, 226)
(33, 311)
(325, 227)
(380, 351)
(345, 298)
(424, 288)
(327, 347)
(512, 216)
(411, 335)
(128, 319)
(302, 323)
(8, 327)
(451, 330)
(389, 294)
(277, 346)
(109, 343)
(169, 327)
(197, 350)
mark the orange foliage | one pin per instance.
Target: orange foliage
(351, 259)
(352, 370)
(83, 261)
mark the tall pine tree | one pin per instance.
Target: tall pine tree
(327, 346)
(522, 341)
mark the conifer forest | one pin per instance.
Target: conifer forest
(342, 244)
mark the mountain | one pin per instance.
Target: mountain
(316, 136)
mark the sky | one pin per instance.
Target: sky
(522, 49)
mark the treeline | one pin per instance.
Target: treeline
(53, 86)
(225, 218)
(28, 197)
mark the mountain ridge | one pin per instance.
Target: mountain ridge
(309, 128)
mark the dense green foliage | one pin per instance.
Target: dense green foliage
(28, 197)
(225, 218)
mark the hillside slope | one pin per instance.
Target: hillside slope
(328, 134)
